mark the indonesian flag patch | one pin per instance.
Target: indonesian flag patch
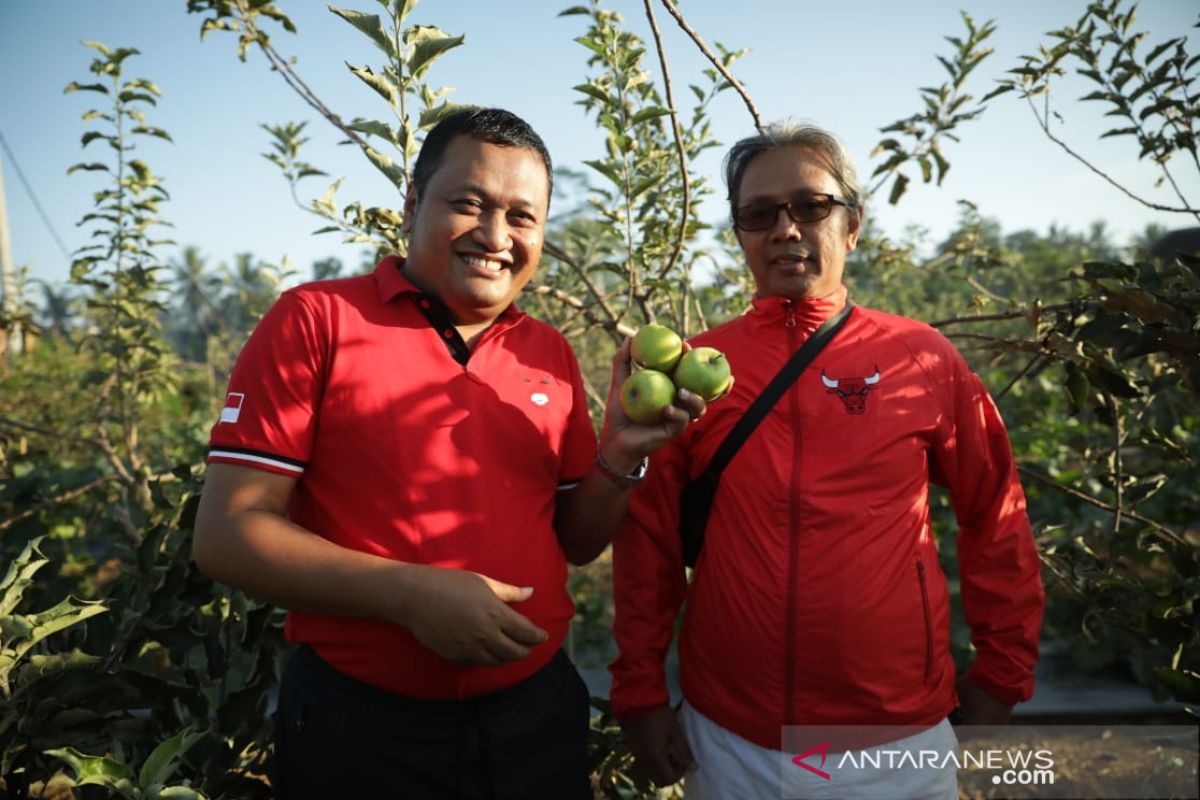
(233, 407)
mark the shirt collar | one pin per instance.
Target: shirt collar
(809, 312)
(391, 282)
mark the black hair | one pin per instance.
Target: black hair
(491, 125)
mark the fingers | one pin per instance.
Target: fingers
(621, 364)
(506, 591)
(690, 402)
(515, 626)
(679, 751)
(520, 630)
(663, 772)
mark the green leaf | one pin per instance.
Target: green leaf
(97, 771)
(374, 128)
(42, 666)
(943, 166)
(999, 90)
(85, 87)
(886, 144)
(385, 165)
(142, 83)
(369, 24)
(898, 187)
(926, 168)
(380, 83)
(214, 25)
(91, 136)
(402, 8)
(432, 116)
(574, 10)
(1077, 389)
(592, 90)
(607, 170)
(160, 764)
(19, 575)
(149, 130)
(430, 44)
(891, 164)
(134, 97)
(179, 793)
(1119, 132)
(651, 112)
(277, 15)
(1111, 380)
(593, 45)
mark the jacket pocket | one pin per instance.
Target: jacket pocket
(928, 621)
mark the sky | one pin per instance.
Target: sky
(850, 67)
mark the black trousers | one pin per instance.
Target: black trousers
(336, 737)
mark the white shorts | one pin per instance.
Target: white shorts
(729, 766)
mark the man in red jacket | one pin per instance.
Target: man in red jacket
(818, 599)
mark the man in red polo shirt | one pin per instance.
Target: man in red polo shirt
(405, 462)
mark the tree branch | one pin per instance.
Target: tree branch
(613, 323)
(1086, 498)
(66, 437)
(293, 79)
(678, 135)
(1044, 124)
(695, 37)
(61, 497)
(1033, 361)
(942, 323)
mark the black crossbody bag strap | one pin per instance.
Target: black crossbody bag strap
(695, 501)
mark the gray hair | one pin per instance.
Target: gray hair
(787, 133)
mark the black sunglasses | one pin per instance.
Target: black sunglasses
(802, 207)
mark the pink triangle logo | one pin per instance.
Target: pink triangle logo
(823, 749)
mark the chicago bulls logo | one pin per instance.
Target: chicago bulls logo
(853, 391)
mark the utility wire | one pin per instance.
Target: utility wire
(33, 196)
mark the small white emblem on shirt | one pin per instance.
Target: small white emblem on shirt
(233, 407)
(539, 398)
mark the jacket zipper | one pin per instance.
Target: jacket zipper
(928, 621)
(790, 715)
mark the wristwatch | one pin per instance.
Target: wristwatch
(622, 479)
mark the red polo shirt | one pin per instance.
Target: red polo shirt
(406, 445)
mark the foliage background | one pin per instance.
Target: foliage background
(123, 669)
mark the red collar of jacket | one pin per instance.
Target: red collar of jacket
(809, 312)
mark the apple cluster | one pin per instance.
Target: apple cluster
(663, 367)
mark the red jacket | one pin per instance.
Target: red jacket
(818, 598)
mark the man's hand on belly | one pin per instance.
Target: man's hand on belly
(465, 617)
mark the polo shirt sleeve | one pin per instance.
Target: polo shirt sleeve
(270, 414)
(579, 443)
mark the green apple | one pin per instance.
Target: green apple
(645, 394)
(657, 347)
(705, 371)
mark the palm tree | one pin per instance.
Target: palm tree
(58, 312)
(194, 291)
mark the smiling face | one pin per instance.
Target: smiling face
(796, 259)
(475, 235)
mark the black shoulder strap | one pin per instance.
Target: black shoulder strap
(694, 520)
(775, 389)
